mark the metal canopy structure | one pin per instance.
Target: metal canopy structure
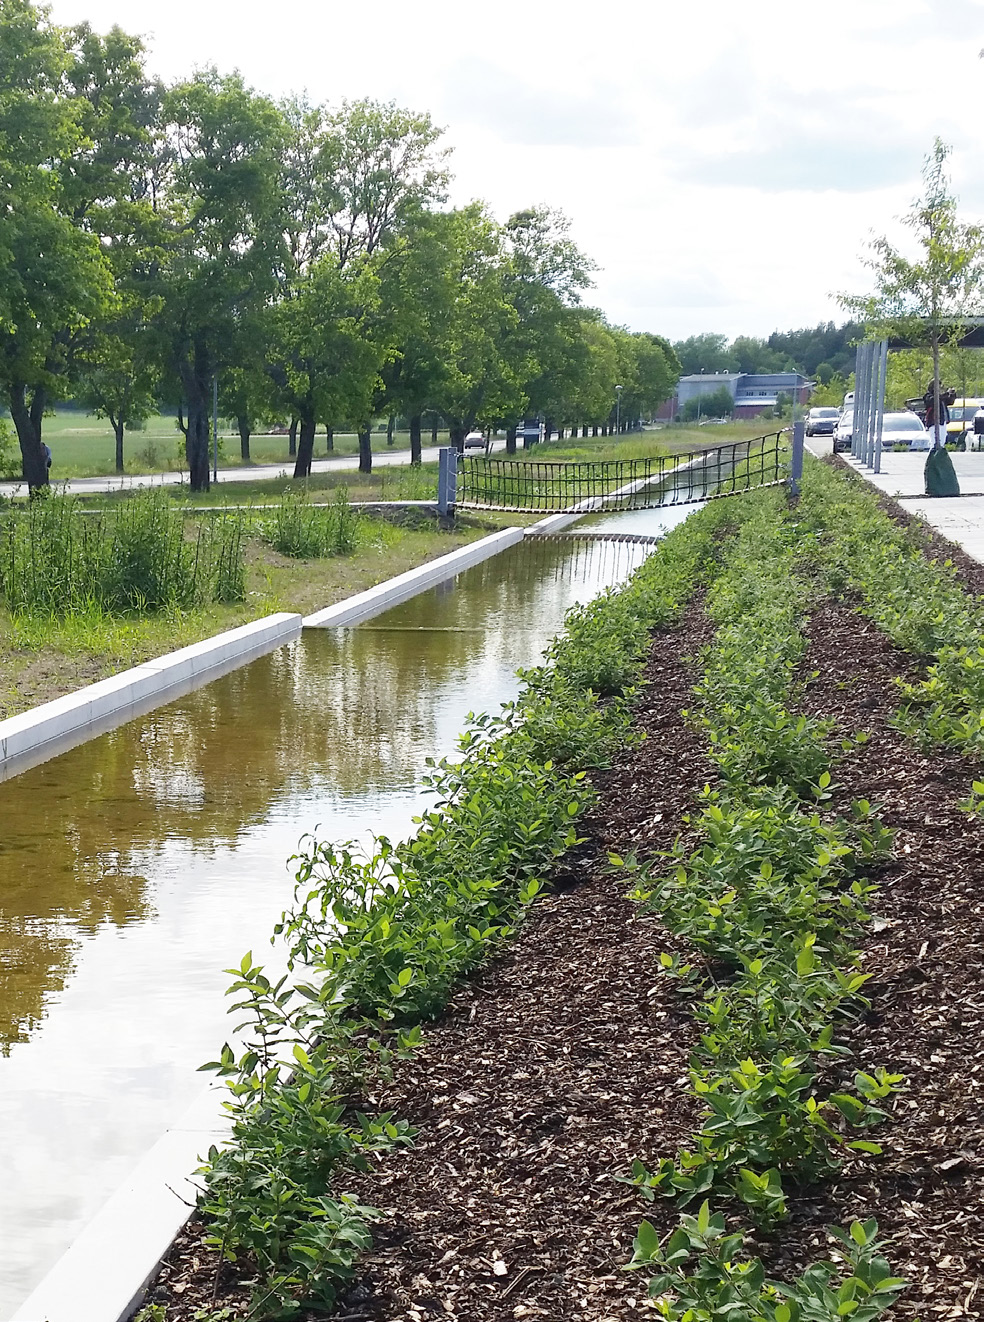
(967, 333)
(869, 382)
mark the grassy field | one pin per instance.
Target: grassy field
(84, 446)
(42, 658)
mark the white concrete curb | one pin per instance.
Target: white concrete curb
(102, 1277)
(38, 734)
(353, 610)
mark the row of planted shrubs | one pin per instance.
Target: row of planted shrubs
(56, 558)
(375, 942)
(861, 553)
(774, 899)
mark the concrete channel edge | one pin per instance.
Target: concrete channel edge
(36, 735)
(363, 606)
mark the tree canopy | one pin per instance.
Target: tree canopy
(162, 241)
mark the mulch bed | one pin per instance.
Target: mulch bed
(926, 952)
(566, 1057)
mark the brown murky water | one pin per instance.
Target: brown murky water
(136, 867)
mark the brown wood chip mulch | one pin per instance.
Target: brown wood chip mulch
(925, 950)
(567, 1057)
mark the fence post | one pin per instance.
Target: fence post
(796, 467)
(447, 479)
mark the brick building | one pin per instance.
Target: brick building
(752, 392)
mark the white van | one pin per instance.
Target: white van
(849, 400)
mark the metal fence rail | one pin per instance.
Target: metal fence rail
(526, 484)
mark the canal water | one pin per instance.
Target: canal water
(136, 867)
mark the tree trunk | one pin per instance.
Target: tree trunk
(510, 440)
(594, 431)
(292, 439)
(584, 430)
(305, 451)
(197, 382)
(390, 424)
(365, 449)
(547, 428)
(242, 422)
(434, 422)
(118, 433)
(457, 437)
(330, 439)
(415, 439)
(27, 422)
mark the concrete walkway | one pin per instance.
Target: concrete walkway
(960, 518)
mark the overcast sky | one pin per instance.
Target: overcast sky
(724, 164)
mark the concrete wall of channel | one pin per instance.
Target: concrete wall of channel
(43, 732)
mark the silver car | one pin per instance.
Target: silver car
(905, 429)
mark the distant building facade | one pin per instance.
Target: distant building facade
(752, 392)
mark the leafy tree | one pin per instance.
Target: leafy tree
(116, 379)
(218, 234)
(356, 181)
(715, 404)
(484, 362)
(704, 353)
(830, 393)
(923, 301)
(57, 276)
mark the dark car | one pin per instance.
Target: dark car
(821, 422)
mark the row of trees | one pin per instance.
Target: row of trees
(821, 352)
(158, 238)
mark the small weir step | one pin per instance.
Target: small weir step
(589, 536)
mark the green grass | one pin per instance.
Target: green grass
(649, 444)
(43, 656)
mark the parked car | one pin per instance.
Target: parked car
(905, 429)
(844, 430)
(960, 428)
(821, 421)
(475, 440)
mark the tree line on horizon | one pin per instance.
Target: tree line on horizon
(820, 352)
(161, 239)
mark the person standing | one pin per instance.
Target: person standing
(936, 426)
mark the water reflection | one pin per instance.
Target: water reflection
(135, 867)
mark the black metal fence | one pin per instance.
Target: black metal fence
(526, 484)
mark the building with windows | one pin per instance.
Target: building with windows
(752, 392)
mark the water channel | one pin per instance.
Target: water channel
(134, 868)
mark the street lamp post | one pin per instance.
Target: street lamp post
(618, 409)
